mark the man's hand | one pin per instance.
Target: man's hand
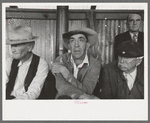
(60, 68)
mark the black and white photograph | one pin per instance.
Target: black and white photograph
(75, 61)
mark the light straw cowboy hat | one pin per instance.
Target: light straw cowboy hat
(91, 35)
(19, 35)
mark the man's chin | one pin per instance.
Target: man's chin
(134, 30)
(15, 57)
(77, 57)
(123, 69)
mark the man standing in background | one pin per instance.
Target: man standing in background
(133, 24)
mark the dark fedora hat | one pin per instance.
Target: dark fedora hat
(19, 35)
(91, 35)
(130, 49)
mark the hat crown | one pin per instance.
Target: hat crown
(20, 33)
(130, 49)
(90, 34)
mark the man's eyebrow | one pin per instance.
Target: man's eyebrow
(71, 37)
(82, 37)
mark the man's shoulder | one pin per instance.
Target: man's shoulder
(141, 33)
(122, 34)
(42, 61)
(111, 65)
(93, 60)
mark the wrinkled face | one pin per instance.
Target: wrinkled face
(78, 45)
(19, 51)
(126, 64)
(134, 22)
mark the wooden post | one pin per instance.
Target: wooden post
(91, 21)
(61, 27)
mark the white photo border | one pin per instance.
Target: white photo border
(95, 110)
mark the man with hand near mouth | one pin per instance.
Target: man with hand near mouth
(77, 72)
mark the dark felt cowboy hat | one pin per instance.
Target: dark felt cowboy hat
(91, 35)
(19, 35)
(130, 49)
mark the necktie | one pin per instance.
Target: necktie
(135, 37)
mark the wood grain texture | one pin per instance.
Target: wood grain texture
(45, 45)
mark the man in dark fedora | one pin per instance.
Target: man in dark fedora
(124, 78)
(25, 71)
(134, 22)
(77, 72)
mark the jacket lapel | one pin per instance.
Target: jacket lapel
(128, 36)
(85, 69)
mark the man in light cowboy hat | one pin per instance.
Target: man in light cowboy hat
(124, 78)
(77, 72)
(25, 72)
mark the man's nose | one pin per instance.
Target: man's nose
(76, 43)
(13, 49)
(134, 22)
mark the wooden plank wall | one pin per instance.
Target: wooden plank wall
(46, 30)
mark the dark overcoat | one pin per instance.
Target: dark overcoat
(114, 84)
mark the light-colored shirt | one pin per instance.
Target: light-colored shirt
(130, 78)
(76, 68)
(132, 36)
(37, 83)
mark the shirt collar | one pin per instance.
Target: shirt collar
(133, 34)
(26, 62)
(85, 61)
(132, 74)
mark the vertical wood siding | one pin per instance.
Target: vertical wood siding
(45, 46)
(107, 30)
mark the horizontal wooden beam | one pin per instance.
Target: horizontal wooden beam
(113, 16)
(30, 15)
(50, 14)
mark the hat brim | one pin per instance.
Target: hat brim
(12, 42)
(89, 33)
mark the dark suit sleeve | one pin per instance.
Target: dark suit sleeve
(106, 86)
(116, 42)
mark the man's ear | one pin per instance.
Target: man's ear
(31, 46)
(138, 61)
(69, 47)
